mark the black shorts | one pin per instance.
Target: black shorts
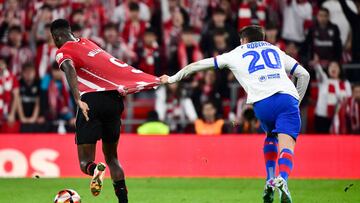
(104, 118)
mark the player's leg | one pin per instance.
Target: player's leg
(86, 155)
(111, 122)
(87, 134)
(288, 125)
(270, 149)
(286, 148)
(270, 154)
(116, 171)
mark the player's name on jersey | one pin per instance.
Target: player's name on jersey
(254, 45)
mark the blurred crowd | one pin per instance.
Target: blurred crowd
(161, 37)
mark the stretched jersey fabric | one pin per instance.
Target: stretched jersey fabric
(97, 70)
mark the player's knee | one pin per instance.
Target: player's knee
(83, 165)
(111, 161)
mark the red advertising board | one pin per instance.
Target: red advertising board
(50, 155)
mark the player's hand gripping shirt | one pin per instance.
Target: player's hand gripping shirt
(97, 70)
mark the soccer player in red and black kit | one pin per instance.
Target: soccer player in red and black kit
(97, 81)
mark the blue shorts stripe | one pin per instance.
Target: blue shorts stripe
(293, 68)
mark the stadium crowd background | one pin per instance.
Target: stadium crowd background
(162, 36)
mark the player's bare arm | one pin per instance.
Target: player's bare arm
(71, 76)
(188, 70)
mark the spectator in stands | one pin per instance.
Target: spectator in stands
(29, 106)
(223, 77)
(44, 17)
(121, 13)
(172, 36)
(15, 51)
(114, 45)
(297, 16)
(221, 45)
(197, 14)
(292, 50)
(153, 126)
(251, 12)
(45, 54)
(249, 124)
(188, 50)
(77, 30)
(55, 97)
(354, 20)
(206, 90)
(174, 107)
(11, 15)
(209, 123)
(9, 97)
(337, 17)
(272, 36)
(353, 111)
(77, 18)
(218, 22)
(333, 90)
(149, 54)
(94, 15)
(323, 39)
(134, 27)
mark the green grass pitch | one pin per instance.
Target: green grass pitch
(180, 190)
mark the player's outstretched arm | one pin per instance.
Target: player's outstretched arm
(303, 78)
(71, 77)
(188, 70)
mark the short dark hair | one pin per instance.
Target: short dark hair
(15, 28)
(355, 85)
(150, 30)
(219, 31)
(253, 33)
(152, 116)
(134, 6)
(76, 27)
(188, 30)
(219, 11)
(28, 65)
(324, 9)
(109, 26)
(59, 24)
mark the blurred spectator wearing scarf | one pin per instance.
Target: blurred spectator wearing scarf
(55, 98)
(352, 109)
(15, 51)
(45, 54)
(9, 97)
(251, 12)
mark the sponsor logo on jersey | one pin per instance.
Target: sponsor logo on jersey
(93, 52)
(273, 76)
(262, 78)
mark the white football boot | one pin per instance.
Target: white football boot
(269, 191)
(281, 184)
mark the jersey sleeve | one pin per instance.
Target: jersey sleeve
(290, 64)
(62, 55)
(221, 61)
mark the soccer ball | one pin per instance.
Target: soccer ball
(67, 196)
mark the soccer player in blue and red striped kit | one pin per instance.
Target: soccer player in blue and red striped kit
(263, 69)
